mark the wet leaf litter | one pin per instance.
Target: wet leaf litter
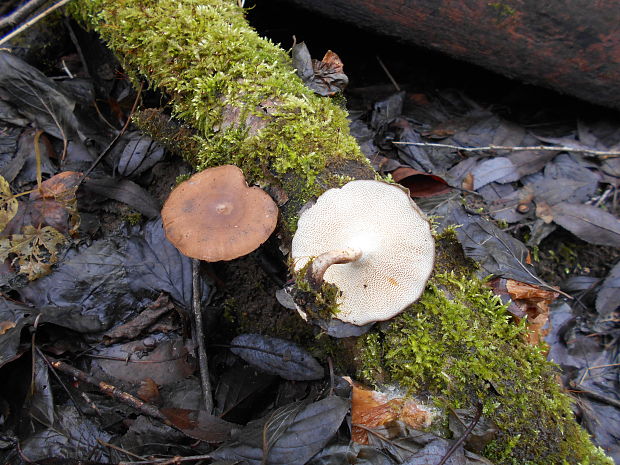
(108, 276)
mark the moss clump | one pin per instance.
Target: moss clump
(238, 90)
(318, 303)
(458, 344)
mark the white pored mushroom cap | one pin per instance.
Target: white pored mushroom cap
(395, 240)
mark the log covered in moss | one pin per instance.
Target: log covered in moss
(249, 108)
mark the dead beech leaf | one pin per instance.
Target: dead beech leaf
(325, 77)
(534, 302)
(149, 391)
(199, 424)
(420, 184)
(34, 251)
(8, 204)
(543, 211)
(5, 326)
(54, 204)
(468, 182)
(60, 187)
(372, 408)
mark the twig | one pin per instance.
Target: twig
(203, 362)
(593, 395)
(169, 461)
(602, 153)
(112, 391)
(330, 363)
(120, 133)
(63, 385)
(380, 436)
(120, 449)
(597, 367)
(76, 44)
(20, 13)
(32, 21)
(389, 75)
(466, 433)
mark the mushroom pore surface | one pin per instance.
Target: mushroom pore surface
(392, 235)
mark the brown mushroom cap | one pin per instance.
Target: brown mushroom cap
(214, 215)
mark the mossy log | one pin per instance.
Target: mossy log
(248, 107)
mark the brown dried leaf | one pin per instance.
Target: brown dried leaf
(5, 326)
(199, 424)
(372, 408)
(420, 184)
(34, 251)
(149, 391)
(55, 205)
(535, 302)
(142, 322)
(325, 77)
(8, 204)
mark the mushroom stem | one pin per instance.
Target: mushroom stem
(325, 260)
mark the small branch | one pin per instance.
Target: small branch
(389, 75)
(466, 433)
(200, 338)
(32, 21)
(579, 389)
(20, 13)
(110, 390)
(172, 460)
(118, 136)
(602, 153)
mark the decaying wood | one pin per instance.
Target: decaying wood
(248, 108)
(572, 47)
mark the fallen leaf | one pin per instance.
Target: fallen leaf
(8, 203)
(5, 326)
(504, 202)
(370, 409)
(495, 169)
(420, 184)
(199, 424)
(139, 154)
(277, 356)
(165, 363)
(497, 252)
(126, 191)
(608, 297)
(588, 222)
(149, 391)
(535, 302)
(289, 436)
(33, 252)
(325, 77)
(140, 323)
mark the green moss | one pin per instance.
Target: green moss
(238, 90)
(458, 344)
(317, 303)
(133, 218)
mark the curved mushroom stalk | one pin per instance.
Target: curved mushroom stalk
(325, 260)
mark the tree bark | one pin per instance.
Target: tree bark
(572, 47)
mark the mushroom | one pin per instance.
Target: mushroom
(215, 216)
(370, 240)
